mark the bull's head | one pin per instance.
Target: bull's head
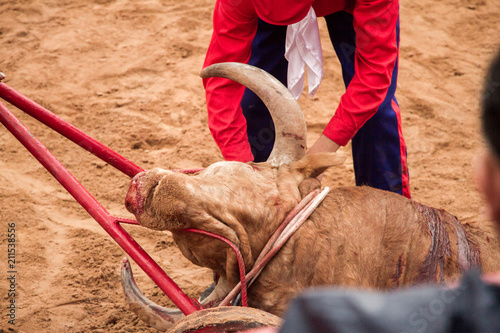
(244, 202)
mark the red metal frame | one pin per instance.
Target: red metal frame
(109, 223)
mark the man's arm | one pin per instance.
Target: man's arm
(376, 53)
(234, 27)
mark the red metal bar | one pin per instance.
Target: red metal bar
(69, 131)
(108, 222)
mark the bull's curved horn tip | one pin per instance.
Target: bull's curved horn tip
(220, 69)
(151, 313)
(207, 72)
(125, 263)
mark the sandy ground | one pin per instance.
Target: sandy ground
(126, 73)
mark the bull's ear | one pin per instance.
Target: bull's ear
(311, 166)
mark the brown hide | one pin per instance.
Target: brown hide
(358, 236)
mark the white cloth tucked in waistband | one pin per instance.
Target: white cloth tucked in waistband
(303, 48)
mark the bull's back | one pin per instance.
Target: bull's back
(381, 238)
(368, 238)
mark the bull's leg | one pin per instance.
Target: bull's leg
(217, 295)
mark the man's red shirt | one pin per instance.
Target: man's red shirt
(234, 27)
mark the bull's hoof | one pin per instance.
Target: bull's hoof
(225, 319)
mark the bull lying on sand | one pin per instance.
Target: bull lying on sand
(358, 236)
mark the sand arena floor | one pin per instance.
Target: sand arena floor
(126, 73)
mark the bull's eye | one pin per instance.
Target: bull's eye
(149, 198)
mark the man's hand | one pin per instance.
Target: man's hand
(323, 145)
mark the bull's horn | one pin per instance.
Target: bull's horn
(154, 315)
(291, 131)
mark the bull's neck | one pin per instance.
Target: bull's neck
(261, 231)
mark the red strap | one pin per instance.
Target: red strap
(239, 257)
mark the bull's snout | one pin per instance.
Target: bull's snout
(133, 200)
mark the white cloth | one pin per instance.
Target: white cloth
(303, 48)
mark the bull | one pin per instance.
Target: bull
(358, 236)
